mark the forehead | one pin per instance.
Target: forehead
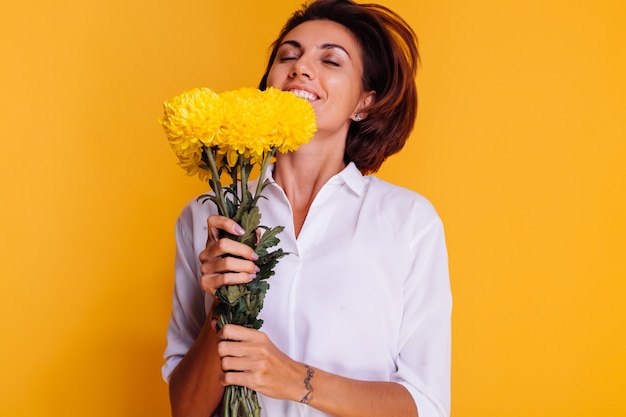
(315, 33)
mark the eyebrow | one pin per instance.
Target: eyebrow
(297, 44)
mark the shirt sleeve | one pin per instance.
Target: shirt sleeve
(188, 299)
(424, 350)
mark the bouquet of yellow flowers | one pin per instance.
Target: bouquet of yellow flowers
(229, 134)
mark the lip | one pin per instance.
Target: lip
(302, 88)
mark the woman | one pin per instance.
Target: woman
(357, 319)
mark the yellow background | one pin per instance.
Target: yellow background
(520, 144)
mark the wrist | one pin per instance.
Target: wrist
(307, 383)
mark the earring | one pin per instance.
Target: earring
(357, 117)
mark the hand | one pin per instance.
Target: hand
(250, 359)
(225, 261)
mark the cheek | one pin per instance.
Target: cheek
(272, 77)
(351, 92)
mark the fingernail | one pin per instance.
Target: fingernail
(238, 230)
(254, 256)
(252, 276)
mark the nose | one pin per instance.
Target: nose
(302, 68)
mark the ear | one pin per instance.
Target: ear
(367, 98)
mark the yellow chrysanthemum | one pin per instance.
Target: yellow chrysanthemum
(245, 122)
(294, 117)
(191, 121)
(246, 125)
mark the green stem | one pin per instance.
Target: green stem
(244, 179)
(237, 178)
(241, 401)
(264, 165)
(245, 397)
(216, 178)
(221, 321)
(227, 398)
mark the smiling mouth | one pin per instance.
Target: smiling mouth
(305, 95)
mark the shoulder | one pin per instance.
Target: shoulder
(399, 202)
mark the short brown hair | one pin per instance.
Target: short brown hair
(390, 59)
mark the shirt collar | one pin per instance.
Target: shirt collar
(353, 178)
(350, 175)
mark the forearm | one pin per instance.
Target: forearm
(344, 397)
(194, 385)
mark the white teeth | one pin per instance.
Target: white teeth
(304, 94)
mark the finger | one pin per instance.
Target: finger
(214, 319)
(234, 378)
(230, 348)
(227, 349)
(221, 265)
(216, 223)
(227, 246)
(233, 332)
(236, 364)
(211, 283)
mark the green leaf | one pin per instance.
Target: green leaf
(250, 220)
(230, 206)
(268, 239)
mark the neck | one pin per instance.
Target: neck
(301, 174)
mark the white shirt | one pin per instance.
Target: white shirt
(364, 293)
